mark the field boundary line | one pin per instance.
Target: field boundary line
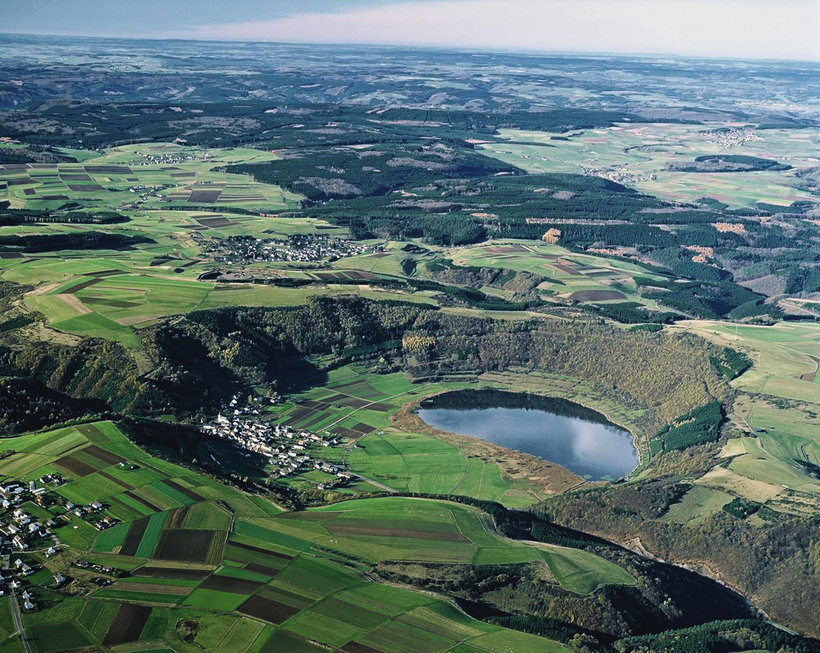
(464, 476)
(356, 410)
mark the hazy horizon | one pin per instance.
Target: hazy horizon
(424, 47)
(735, 29)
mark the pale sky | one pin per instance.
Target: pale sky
(777, 29)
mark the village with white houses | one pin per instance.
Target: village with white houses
(21, 532)
(32, 512)
(153, 157)
(286, 449)
(297, 247)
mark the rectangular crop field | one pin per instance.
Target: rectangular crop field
(127, 625)
(186, 545)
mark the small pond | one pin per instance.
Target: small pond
(561, 431)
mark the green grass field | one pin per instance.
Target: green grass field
(131, 176)
(374, 530)
(111, 305)
(567, 272)
(583, 572)
(281, 576)
(778, 404)
(696, 505)
(638, 156)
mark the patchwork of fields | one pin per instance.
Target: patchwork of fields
(197, 564)
(171, 196)
(639, 155)
(150, 175)
(177, 200)
(105, 296)
(570, 275)
(360, 408)
(589, 243)
(772, 458)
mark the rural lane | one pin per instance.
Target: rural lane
(15, 611)
(382, 486)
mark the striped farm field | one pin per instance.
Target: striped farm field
(189, 549)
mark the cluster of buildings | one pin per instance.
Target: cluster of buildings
(620, 176)
(23, 530)
(20, 530)
(14, 580)
(82, 563)
(28, 597)
(17, 526)
(299, 247)
(341, 476)
(287, 450)
(154, 158)
(92, 512)
(146, 190)
(730, 137)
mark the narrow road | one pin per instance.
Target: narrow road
(356, 410)
(381, 486)
(353, 444)
(15, 611)
(753, 431)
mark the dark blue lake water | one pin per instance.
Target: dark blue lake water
(557, 430)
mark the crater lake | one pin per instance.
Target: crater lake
(560, 431)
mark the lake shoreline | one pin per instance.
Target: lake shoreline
(563, 432)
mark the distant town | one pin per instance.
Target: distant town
(298, 247)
